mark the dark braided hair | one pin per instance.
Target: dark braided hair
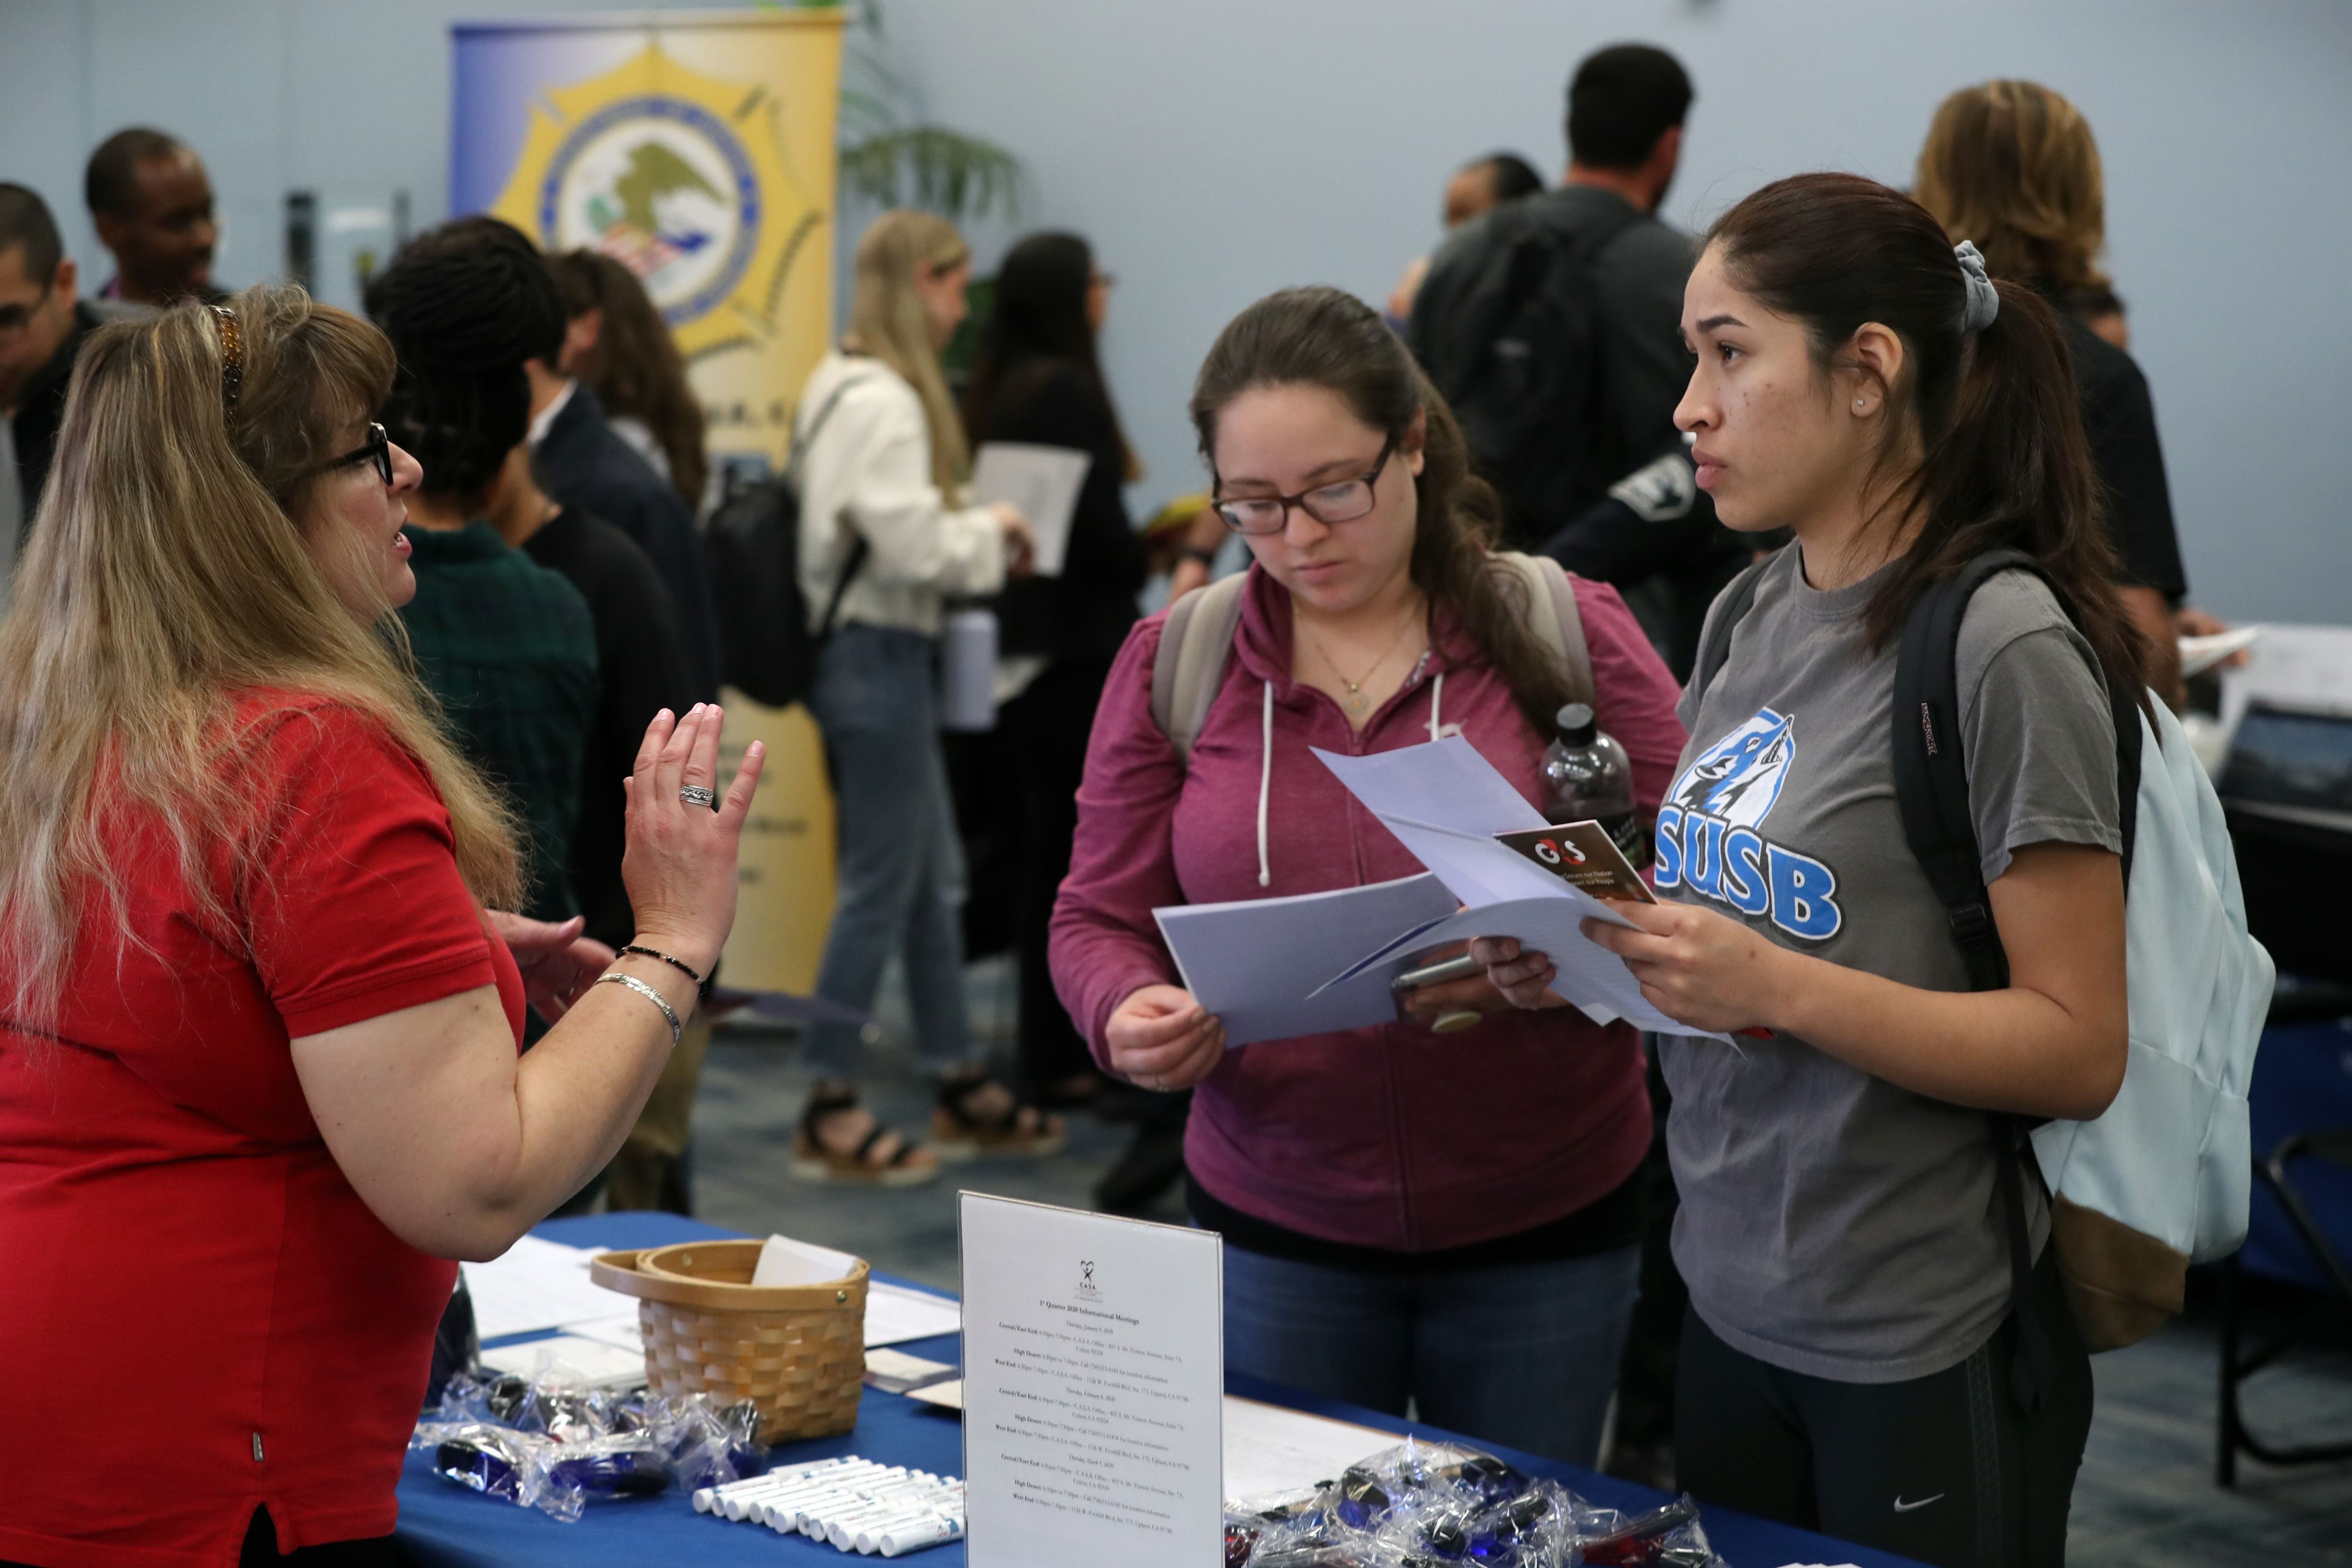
(1325, 337)
(465, 305)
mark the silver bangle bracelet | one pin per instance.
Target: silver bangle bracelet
(652, 996)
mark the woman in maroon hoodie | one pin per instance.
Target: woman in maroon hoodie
(1446, 1220)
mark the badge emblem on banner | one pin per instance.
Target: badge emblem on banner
(681, 177)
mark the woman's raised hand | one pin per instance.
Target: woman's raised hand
(680, 865)
(1161, 1038)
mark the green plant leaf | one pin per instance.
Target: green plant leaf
(946, 171)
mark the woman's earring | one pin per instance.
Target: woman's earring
(1858, 404)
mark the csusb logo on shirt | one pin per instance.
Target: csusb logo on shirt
(1709, 841)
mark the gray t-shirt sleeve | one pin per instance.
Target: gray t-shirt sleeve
(2039, 737)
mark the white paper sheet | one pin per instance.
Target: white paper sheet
(1592, 977)
(1260, 964)
(533, 1285)
(1445, 802)
(948, 1395)
(2199, 654)
(594, 1363)
(785, 1262)
(895, 1315)
(1043, 482)
(1270, 1449)
(1093, 1389)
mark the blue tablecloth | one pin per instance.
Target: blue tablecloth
(445, 1526)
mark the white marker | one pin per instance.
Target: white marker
(869, 1537)
(778, 1510)
(754, 1505)
(707, 1499)
(914, 1537)
(843, 1530)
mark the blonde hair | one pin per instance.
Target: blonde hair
(886, 319)
(2013, 166)
(166, 585)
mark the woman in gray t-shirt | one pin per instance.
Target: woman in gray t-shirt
(1845, 1363)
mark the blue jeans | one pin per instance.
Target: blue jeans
(901, 876)
(1524, 1356)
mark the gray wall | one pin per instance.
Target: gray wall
(1217, 149)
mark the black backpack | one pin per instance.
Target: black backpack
(1508, 331)
(753, 544)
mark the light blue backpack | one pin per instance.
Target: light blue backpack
(2161, 1180)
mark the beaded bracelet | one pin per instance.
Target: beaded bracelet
(652, 996)
(701, 982)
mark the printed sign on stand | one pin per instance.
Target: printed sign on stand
(1093, 1388)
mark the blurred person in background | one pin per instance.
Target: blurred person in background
(884, 539)
(2012, 166)
(641, 669)
(1477, 188)
(507, 647)
(618, 346)
(263, 1010)
(42, 325)
(1037, 379)
(2103, 311)
(581, 461)
(1551, 326)
(151, 203)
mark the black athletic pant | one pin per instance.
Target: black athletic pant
(1947, 1468)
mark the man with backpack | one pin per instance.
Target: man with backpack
(1552, 327)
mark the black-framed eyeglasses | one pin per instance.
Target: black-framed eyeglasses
(1343, 501)
(378, 451)
(15, 318)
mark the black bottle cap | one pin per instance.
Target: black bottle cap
(1576, 726)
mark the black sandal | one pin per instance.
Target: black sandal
(958, 1134)
(816, 1161)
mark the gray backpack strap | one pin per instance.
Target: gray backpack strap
(1190, 665)
(1553, 617)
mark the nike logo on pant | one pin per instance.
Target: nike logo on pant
(1902, 1507)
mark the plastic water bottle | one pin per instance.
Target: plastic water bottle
(1586, 775)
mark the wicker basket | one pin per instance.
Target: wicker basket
(798, 1352)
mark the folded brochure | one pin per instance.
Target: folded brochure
(1481, 837)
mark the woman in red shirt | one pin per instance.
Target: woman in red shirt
(258, 1069)
(1446, 1221)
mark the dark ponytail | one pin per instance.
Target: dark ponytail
(1324, 337)
(2004, 461)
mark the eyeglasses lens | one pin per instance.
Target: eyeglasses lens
(1338, 503)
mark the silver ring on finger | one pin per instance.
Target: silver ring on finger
(698, 794)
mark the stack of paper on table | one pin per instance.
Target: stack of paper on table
(1271, 1449)
(539, 1285)
(1267, 1448)
(590, 1362)
(894, 1313)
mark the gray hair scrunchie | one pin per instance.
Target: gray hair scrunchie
(1984, 299)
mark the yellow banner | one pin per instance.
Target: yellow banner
(702, 155)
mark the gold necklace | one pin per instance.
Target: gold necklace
(1355, 702)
